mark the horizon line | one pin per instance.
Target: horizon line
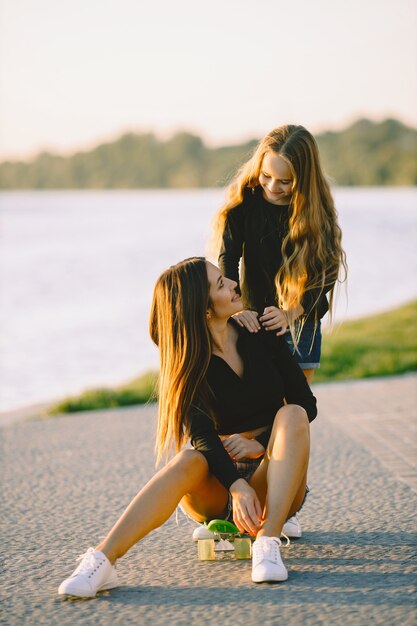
(163, 136)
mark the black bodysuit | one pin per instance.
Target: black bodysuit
(270, 375)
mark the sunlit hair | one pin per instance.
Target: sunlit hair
(313, 257)
(178, 326)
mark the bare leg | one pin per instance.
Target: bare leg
(280, 480)
(187, 473)
(309, 374)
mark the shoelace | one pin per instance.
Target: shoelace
(88, 561)
(266, 549)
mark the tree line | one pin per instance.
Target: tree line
(365, 153)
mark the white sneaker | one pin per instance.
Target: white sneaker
(94, 573)
(267, 565)
(292, 528)
(202, 532)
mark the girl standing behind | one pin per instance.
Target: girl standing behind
(280, 219)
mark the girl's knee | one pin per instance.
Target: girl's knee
(292, 416)
(191, 461)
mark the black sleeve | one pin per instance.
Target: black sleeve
(205, 439)
(232, 243)
(316, 299)
(296, 388)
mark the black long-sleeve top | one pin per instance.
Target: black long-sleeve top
(270, 376)
(254, 231)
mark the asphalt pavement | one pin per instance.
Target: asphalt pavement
(67, 479)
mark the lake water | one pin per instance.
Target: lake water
(78, 268)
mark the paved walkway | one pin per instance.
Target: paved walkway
(381, 415)
(67, 479)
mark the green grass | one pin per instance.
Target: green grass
(138, 391)
(379, 345)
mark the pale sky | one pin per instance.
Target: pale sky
(77, 72)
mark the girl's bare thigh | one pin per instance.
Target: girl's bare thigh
(207, 501)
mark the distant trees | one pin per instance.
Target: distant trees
(369, 153)
(366, 153)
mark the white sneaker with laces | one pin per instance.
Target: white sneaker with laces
(292, 528)
(267, 565)
(202, 532)
(94, 573)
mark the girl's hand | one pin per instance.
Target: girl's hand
(239, 447)
(247, 512)
(274, 319)
(248, 320)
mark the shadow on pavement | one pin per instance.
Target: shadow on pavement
(343, 591)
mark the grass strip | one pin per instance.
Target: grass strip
(378, 345)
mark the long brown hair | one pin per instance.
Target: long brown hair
(313, 257)
(178, 326)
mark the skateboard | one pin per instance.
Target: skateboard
(227, 543)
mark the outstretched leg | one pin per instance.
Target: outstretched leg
(187, 474)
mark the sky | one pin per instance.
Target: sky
(74, 73)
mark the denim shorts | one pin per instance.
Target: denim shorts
(308, 350)
(245, 469)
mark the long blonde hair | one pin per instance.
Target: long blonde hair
(312, 252)
(178, 326)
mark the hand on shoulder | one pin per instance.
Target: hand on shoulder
(279, 319)
(249, 320)
(274, 319)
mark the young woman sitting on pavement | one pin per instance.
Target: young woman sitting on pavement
(243, 403)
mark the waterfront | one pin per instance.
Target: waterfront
(78, 268)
